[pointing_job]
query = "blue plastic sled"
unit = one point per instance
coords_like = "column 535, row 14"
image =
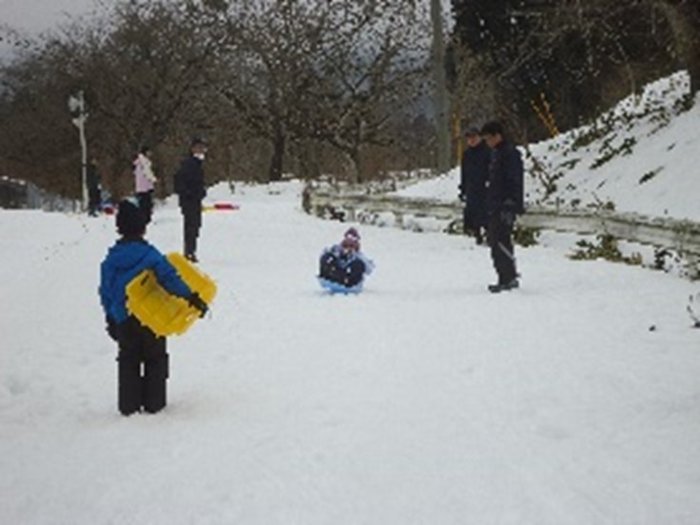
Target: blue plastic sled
column 334, row 287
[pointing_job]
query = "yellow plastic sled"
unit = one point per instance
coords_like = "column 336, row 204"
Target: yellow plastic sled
column 162, row 312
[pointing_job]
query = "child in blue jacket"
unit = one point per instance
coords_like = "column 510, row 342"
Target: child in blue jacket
column 142, row 360
column 344, row 264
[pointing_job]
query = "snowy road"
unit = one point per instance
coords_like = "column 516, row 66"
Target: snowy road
column 425, row 400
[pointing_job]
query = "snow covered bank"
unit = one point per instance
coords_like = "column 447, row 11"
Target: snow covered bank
column 642, row 156
column 423, row 400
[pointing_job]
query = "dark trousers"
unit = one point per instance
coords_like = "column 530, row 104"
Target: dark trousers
column 143, row 368
column 348, row 275
column 471, row 224
column 94, row 198
column 499, row 235
column 146, row 203
column 192, row 214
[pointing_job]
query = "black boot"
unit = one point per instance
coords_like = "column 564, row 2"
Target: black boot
column 504, row 287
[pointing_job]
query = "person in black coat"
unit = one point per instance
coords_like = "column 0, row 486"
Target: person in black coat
column 504, row 201
column 94, row 188
column 472, row 188
column 189, row 186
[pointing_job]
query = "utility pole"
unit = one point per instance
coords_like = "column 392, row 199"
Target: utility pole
column 440, row 99
column 76, row 105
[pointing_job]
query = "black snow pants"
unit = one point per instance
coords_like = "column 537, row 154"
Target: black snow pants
column 192, row 214
column 499, row 235
column 348, row 275
column 474, row 217
column 94, row 198
column 146, row 204
column 143, row 368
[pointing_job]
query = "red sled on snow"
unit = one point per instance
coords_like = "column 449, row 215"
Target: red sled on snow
column 221, row 206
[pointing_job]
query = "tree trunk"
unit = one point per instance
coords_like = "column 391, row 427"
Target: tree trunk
column 440, row 97
column 357, row 165
column 354, row 163
column 277, row 160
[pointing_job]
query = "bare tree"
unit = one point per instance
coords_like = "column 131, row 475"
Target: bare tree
column 300, row 82
column 375, row 67
column 321, row 71
column 578, row 55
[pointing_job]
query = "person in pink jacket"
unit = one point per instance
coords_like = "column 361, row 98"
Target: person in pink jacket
column 145, row 180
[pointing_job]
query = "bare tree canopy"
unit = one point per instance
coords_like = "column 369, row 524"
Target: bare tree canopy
column 575, row 56
column 277, row 85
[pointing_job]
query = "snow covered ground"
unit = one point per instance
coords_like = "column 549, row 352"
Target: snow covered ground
column 642, row 156
column 424, row 400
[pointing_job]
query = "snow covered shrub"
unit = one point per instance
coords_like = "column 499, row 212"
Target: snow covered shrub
column 607, row 248
column 691, row 268
column 609, row 152
column 544, row 172
column 455, row 227
column 661, row 255
column 650, row 175
column 524, row 236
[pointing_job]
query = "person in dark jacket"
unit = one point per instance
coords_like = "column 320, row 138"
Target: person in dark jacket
column 142, row 359
column 94, row 188
column 189, row 186
column 504, row 201
column 472, row 188
column 145, row 181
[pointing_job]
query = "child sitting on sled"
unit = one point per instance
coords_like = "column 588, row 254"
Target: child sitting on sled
column 142, row 359
column 343, row 265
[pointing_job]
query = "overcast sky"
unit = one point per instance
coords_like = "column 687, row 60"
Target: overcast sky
column 39, row 15
column 35, row 16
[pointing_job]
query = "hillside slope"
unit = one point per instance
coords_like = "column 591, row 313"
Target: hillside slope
column 641, row 156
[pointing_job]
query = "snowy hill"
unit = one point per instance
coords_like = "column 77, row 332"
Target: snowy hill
column 424, row 400
column 642, row 156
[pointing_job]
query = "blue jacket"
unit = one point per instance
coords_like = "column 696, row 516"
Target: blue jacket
column 124, row 261
column 346, row 259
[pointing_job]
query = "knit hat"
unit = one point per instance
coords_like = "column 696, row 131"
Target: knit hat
column 131, row 220
column 492, row 128
column 198, row 141
column 353, row 233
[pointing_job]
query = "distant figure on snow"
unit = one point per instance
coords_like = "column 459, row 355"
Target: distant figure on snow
column 145, row 181
column 472, row 187
column 504, row 201
column 142, row 359
column 343, row 267
column 94, row 188
column 189, row 186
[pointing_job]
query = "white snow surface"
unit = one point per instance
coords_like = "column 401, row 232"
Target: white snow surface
column 659, row 178
column 423, row 400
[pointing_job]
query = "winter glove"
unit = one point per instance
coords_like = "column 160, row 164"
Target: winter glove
column 508, row 218
column 508, row 213
column 111, row 329
column 196, row 301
